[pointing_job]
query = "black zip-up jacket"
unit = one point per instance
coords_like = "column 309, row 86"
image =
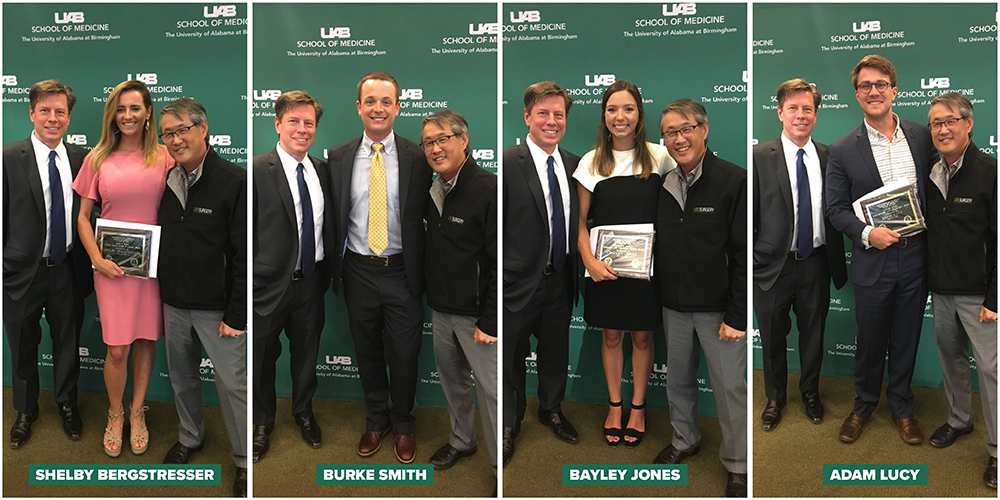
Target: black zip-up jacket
column 203, row 246
column 461, row 256
column 701, row 251
column 962, row 230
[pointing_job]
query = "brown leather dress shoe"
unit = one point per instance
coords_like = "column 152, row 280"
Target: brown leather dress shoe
column 371, row 441
column 406, row 447
column 909, row 430
column 850, row 430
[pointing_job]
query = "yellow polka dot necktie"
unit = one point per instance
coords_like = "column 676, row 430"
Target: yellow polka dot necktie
column 378, row 227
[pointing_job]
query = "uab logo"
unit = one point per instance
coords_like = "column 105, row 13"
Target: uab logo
column 599, row 80
column 220, row 11
column 484, row 29
column 207, row 363
column 680, row 9
column 341, row 32
column 69, row 17
column 84, row 351
column 220, row 140
column 338, row 360
column 266, row 95
column 746, row 76
column 483, row 154
column 867, row 26
column 76, row 139
column 525, row 16
column 9, row 80
column 935, row 83
column 410, row 94
column 147, row 78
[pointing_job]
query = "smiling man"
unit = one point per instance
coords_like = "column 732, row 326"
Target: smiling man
column 796, row 252
column 887, row 269
column 962, row 270
column 701, row 251
column 203, row 281
column 380, row 190
column 44, row 266
column 292, row 232
column 462, row 283
column 539, row 264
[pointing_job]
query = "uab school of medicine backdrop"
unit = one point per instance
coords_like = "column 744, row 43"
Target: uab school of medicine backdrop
column 935, row 50
column 182, row 50
column 670, row 51
column 444, row 56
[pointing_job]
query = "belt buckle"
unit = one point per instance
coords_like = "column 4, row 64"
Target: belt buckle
column 384, row 261
column 902, row 242
column 548, row 271
column 47, row 262
column 297, row 276
column 799, row 256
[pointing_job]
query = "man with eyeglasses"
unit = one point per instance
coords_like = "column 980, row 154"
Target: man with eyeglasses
column 701, row 250
column 292, row 237
column 380, row 190
column 203, row 281
column 462, row 283
column 887, row 268
column 962, row 270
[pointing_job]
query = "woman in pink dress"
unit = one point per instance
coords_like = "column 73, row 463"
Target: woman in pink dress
column 126, row 174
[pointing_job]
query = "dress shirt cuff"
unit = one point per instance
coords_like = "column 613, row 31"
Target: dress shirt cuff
column 864, row 236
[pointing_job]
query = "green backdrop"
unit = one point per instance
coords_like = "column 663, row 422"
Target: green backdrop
column 178, row 50
column 935, row 48
column 670, row 51
column 444, row 56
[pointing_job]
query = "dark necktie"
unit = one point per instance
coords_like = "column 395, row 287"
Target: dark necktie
column 804, row 243
column 558, row 222
column 308, row 243
column 57, row 222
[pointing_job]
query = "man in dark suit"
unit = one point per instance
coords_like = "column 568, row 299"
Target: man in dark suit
column 381, row 185
column 796, row 252
column 292, row 233
column 44, row 265
column 540, row 258
column 962, row 270
column 887, row 268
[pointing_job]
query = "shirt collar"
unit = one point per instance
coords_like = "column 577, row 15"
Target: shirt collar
column 287, row 161
column 537, row 153
column 388, row 144
column 872, row 131
column 42, row 150
column 789, row 146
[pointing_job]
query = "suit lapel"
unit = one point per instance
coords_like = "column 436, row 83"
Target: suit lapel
column 865, row 150
column 405, row 157
column 781, row 172
column 824, row 154
column 346, row 177
column 34, row 179
column 920, row 161
column 281, row 184
column 534, row 183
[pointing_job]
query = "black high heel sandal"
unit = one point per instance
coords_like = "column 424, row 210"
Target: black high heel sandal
column 610, row 432
column 634, row 433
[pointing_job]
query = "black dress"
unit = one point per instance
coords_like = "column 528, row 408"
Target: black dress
column 624, row 303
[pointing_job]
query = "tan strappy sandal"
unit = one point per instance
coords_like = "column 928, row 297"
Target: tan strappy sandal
column 138, row 431
column 111, row 436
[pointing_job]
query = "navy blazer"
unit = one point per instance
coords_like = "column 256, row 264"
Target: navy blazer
column 526, row 225
column 851, row 173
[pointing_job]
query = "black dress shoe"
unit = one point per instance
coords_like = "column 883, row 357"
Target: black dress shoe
column 180, row 454
column 814, row 408
column 240, row 485
column 447, row 456
column 946, row 435
column 736, row 486
column 771, row 416
column 261, row 442
column 21, row 431
column 72, row 424
column 310, row 430
column 508, row 444
column 990, row 476
column 559, row 425
column 671, row 455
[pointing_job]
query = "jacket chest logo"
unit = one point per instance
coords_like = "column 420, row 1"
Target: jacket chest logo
column 202, row 210
column 963, row 201
column 703, row 210
column 455, row 220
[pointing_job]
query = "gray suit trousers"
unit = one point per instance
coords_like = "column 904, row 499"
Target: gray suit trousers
column 186, row 332
column 727, row 367
column 956, row 323
column 457, row 355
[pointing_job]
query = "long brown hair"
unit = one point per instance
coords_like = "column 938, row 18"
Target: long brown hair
column 111, row 135
column 604, row 160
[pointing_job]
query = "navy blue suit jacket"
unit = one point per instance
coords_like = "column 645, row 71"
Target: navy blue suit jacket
column 851, row 173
